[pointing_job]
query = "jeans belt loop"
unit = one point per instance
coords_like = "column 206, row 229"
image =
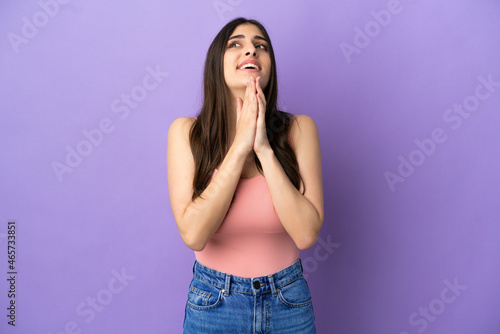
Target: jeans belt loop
column 227, row 285
column 273, row 287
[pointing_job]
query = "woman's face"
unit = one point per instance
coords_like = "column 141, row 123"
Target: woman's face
column 246, row 45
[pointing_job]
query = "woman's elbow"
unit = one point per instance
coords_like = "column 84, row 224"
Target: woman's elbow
column 307, row 241
column 194, row 242
column 189, row 234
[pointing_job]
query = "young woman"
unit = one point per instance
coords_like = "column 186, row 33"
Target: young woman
column 245, row 185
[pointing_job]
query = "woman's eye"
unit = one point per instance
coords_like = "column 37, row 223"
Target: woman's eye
column 258, row 46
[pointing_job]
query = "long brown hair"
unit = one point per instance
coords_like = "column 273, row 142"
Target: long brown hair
column 209, row 135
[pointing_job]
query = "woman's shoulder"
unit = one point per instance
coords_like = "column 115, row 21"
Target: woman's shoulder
column 182, row 121
column 297, row 120
column 302, row 128
column 178, row 132
column 302, row 125
column 181, row 124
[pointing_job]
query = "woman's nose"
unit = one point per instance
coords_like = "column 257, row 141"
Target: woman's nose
column 251, row 50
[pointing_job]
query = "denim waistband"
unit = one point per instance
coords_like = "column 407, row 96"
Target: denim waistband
column 263, row 284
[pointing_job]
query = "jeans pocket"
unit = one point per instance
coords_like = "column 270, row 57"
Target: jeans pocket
column 203, row 296
column 295, row 294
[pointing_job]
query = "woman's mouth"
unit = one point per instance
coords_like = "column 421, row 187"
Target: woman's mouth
column 249, row 66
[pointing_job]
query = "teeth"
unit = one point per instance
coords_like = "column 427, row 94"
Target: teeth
column 249, row 65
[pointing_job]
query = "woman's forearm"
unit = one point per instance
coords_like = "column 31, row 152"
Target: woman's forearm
column 204, row 215
column 297, row 214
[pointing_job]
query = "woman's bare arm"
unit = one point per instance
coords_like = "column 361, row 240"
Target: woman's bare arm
column 301, row 215
column 197, row 220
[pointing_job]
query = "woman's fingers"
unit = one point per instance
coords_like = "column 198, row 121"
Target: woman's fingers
column 253, row 89
column 259, row 88
column 261, row 97
column 261, row 141
column 248, row 92
column 261, row 103
column 250, row 103
column 239, row 103
column 246, row 108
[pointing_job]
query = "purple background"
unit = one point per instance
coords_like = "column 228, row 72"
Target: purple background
column 385, row 256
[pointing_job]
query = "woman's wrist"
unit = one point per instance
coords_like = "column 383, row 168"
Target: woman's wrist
column 236, row 156
column 239, row 151
column 265, row 154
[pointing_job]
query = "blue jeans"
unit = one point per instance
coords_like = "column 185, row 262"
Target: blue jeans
column 222, row 303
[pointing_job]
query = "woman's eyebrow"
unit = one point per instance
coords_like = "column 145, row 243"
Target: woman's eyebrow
column 243, row 36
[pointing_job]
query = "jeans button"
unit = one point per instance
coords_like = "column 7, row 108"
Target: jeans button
column 256, row 284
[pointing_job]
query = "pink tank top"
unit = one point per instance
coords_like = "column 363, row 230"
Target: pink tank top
column 251, row 240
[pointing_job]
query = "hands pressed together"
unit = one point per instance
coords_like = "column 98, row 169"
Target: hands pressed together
column 251, row 119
